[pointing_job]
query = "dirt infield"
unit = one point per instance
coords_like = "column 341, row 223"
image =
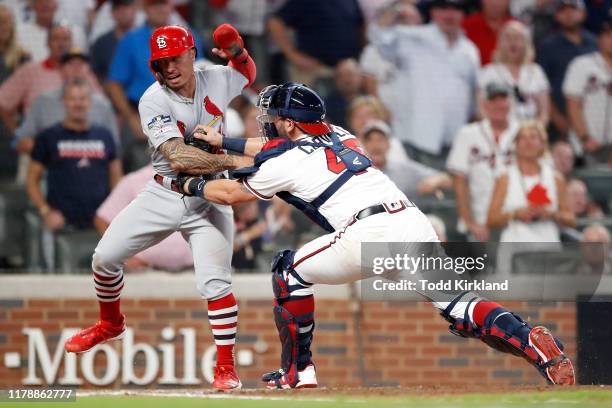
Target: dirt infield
column 419, row 391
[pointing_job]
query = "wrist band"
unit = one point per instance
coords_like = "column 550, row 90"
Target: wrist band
column 234, row 144
column 238, row 54
column 196, row 187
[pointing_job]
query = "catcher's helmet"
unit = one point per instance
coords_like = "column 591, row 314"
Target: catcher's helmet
column 168, row 41
column 292, row 101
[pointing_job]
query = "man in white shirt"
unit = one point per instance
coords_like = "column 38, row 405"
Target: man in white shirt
column 588, row 90
column 33, row 34
column 437, row 79
column 480, row 151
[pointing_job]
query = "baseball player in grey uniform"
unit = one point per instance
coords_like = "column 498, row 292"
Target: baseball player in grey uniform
column 182, row 101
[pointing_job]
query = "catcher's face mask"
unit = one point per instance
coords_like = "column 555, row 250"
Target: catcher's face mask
column 267, row 113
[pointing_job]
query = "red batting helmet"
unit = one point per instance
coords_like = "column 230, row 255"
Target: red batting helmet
column 168, row 41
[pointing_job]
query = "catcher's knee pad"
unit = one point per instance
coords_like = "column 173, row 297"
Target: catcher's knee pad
column 286, row 282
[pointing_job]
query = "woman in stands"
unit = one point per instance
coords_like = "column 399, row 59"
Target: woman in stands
column 513, row 65
column 530, row 201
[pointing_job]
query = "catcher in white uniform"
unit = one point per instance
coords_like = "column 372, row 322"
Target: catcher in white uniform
column 322, row 171
column 171, row 111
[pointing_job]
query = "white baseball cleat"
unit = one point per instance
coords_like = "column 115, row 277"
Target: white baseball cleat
column 307, row 378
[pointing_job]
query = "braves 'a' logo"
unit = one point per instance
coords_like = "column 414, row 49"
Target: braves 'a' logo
column 161, row 42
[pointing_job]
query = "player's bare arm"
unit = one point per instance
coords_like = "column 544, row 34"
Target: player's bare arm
column 191, row 160
column 247, row 147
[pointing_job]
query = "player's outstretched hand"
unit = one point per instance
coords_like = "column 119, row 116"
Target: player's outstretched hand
column 209, row 135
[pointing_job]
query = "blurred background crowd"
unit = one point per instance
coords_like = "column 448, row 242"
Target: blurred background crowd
column 494, row 116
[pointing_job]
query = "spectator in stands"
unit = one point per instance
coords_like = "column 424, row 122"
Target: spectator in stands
column 249, row 17
column 596, row 14
column 595, row 251
column 482, row 27
column 171, row 254
column 530, row 201
column 326, row 32
column 480, row 151
column 436, row 82
column 32, row 79
column 249, row 232
column 103, row 49
column 588, row 89
column 80, row 161
column 379, row 73
column 48, row 109
column 33, row 35
column 364, row 109
column 129, row 75
column 249, row 118
column 372, row 8
column 581, row 204
column 79, row 13
column 556, row 52
column 12, row 54
column 411, row 177
column 563, row 157
column 513, row 65
column 348, row 85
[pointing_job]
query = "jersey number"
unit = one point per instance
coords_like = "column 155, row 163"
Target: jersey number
column 334, row 164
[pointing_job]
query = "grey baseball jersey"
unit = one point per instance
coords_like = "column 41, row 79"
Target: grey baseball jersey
column 157, row 212
column 165, row 115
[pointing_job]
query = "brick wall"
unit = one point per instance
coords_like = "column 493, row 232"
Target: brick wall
column 403, row 343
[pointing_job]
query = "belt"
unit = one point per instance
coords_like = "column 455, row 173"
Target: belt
column 167, row 182
column 390, row 208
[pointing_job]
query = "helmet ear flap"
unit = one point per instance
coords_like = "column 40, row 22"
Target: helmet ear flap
column 156, row 71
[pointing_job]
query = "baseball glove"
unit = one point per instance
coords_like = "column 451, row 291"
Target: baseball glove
column 200, row 144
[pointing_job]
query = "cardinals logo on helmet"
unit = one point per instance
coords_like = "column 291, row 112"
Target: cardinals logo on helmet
column 161, row 42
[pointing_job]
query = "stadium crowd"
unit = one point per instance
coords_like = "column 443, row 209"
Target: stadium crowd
column 494, row 116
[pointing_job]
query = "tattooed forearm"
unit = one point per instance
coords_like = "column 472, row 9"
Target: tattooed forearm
column 191, row 160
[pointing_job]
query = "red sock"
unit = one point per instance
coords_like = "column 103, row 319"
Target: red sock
column 482, row 310
column 223, row 318
column 110, row 311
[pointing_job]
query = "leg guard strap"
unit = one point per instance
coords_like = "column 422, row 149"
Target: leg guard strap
column 461, row 327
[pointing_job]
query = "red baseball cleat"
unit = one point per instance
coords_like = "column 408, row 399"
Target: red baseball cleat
column 90, row 337
column 307, row 378
column 556, row 365
column 226, row 379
